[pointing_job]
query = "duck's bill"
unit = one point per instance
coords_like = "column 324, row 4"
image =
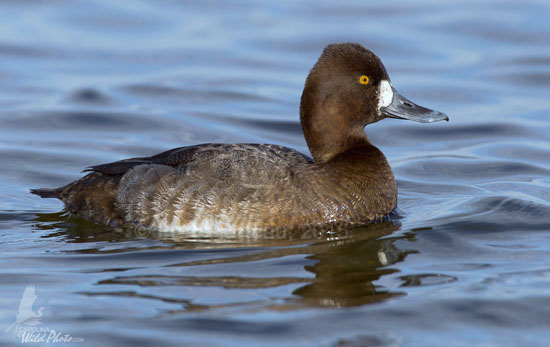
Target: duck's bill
column 403, row 108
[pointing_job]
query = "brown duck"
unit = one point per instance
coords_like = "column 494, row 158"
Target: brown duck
column 218, row 187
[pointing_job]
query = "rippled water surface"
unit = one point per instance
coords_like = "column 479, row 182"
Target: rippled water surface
column 467, row 263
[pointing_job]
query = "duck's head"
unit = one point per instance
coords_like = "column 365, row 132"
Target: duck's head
column 347, row 89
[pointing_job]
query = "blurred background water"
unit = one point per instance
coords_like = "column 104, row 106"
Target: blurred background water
column 468, row 263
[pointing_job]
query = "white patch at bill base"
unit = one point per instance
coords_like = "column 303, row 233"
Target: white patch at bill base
column 385, row 94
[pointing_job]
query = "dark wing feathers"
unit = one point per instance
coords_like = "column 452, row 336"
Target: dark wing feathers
column 180, row 156
column 116, row 168
column 172, row 157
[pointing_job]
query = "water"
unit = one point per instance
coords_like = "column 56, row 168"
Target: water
column 468, row 263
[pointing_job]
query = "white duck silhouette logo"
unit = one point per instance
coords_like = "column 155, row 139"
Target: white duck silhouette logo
column 26, row 315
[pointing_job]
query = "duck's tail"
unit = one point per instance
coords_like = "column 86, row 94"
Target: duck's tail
column 45, row 192
column 92, row 197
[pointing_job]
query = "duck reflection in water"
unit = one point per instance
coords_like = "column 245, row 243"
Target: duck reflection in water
column 345, row 264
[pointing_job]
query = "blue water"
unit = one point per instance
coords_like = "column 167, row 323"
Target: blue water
column 468, row 262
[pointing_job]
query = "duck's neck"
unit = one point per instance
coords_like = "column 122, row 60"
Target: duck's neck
column 328, row 132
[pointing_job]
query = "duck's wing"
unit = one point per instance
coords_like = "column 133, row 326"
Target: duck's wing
column 242, row 168
column 182, row 157
column 122, row 166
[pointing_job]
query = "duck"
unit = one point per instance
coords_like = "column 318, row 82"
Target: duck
column 216, row 187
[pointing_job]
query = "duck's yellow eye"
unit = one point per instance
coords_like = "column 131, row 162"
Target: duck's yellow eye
column 364, row 79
